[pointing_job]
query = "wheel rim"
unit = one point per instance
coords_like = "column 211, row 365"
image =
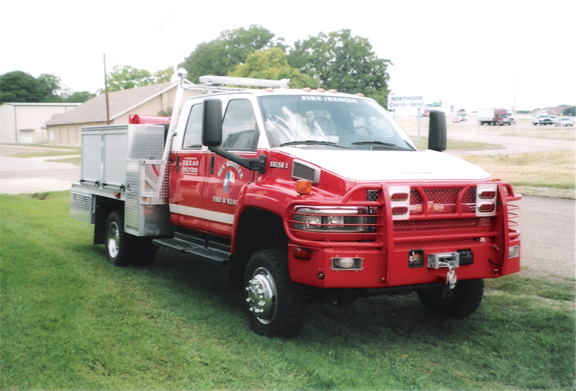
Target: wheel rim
column 113, row 240
column 262, row 295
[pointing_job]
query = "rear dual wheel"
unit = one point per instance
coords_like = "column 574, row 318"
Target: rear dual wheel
column 123, row 249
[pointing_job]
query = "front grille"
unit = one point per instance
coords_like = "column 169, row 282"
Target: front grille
column 371, row 195
column 441, row 201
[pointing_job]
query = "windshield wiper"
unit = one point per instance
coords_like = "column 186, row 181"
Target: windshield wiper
column 381, row 143
column 312, row 142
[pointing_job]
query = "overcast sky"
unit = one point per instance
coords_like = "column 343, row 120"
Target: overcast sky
column 469, row 54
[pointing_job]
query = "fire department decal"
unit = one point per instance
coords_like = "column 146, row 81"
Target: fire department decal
column 230, row 170
column 190, row 166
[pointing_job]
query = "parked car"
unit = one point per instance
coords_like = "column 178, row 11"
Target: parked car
column 563, row 121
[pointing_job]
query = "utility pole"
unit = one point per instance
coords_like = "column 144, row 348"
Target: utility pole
column 106, row 92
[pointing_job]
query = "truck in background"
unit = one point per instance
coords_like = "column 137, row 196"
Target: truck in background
column 542, row 119
column 300, row 195
column 492, row 116
column 458, row 115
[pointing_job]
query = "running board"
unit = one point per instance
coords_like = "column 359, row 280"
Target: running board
column 211, row 252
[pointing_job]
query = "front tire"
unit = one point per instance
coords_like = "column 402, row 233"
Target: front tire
column 274, row 303
column 459, row 302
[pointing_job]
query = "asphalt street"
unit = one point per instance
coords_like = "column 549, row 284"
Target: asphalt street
column 35, row 175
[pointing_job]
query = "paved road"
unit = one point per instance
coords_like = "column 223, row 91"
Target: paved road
column 471, row 131
column 35, row 175
column 547, row 224
column 548, row 240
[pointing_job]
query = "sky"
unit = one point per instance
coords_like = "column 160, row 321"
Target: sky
column 468, row 54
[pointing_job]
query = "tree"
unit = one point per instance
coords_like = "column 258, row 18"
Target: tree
column 79, row 97
column 20, row 87
column 272, row 64
column 124, row 77
column 49, row 88
column 163, row 75
column 221, row 55
column 344, row 63
column 571, row 111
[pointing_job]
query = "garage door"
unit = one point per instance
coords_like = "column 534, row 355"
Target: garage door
column 27, row 136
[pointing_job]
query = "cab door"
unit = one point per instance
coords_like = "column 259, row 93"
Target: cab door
column 226, row 178
column 188, row 173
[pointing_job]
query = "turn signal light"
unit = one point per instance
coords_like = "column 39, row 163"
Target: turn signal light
column 487, row 194
column 399, row 210
column 304, row 186
column 486, row 207
column 302, row 253
column 399, row 197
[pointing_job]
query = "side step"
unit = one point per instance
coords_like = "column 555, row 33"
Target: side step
column 201, row 249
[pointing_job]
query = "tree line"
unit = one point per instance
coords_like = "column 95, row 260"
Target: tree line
column 19, row 87
column 336, row 60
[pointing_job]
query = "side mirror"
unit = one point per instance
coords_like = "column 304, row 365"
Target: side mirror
column 212, row 137
column 437, row 131
column 212, row 123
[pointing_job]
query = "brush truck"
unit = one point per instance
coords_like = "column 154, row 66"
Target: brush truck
column 301, row 196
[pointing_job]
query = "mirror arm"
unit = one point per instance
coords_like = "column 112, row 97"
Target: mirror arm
column 258, row 164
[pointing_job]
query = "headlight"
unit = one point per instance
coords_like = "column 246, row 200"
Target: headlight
column 334, row 219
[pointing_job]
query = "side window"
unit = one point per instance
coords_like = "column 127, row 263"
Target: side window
column 239, row 125
column 193, row 133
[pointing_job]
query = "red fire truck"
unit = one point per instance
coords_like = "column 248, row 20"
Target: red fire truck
column 307, row 195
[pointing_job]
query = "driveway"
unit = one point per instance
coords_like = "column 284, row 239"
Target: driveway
column 34, row 175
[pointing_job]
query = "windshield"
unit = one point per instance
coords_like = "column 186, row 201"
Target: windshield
column 313, row 121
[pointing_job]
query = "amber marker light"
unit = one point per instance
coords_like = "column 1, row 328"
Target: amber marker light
column 304, row 186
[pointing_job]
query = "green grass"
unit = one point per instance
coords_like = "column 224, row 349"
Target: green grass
column 455, row 144
column 72, row 321
column 71, row 160
column 552, row 169
column 48, row 153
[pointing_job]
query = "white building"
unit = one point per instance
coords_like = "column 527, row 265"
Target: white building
column 25, row 123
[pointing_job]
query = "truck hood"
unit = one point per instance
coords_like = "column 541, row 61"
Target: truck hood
column 390, row 165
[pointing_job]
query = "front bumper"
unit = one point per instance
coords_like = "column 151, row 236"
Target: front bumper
column 394, row 253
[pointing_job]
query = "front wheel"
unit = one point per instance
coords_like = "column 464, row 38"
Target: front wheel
column 274, row 303
column 455, row 303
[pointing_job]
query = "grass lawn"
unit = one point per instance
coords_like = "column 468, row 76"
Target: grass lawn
column 72, row 321
column 554, row 169
column 33, row 150
column 455, row 144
